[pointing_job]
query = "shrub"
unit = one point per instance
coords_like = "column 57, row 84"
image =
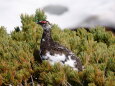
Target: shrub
column 95, row 48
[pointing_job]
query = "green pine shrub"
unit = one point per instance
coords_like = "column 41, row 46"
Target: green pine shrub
column 95, row 48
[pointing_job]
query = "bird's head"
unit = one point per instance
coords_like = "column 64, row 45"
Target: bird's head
column 45, row 24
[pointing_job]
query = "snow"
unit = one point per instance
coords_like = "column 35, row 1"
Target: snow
column 80, row 12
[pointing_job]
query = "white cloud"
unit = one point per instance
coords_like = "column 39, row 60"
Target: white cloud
column 79, row 12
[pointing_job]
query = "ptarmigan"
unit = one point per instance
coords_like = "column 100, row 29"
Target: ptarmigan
column 54, row 52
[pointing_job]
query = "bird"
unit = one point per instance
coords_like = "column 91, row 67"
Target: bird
column 54, row 52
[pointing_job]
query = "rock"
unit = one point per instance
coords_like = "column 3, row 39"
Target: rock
column 55, row 9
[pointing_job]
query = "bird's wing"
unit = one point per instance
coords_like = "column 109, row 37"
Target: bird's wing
column 59, row 48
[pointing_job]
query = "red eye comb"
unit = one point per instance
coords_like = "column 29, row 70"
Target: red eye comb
column 43, row 22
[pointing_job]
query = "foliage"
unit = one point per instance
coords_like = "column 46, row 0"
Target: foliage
column 40, row 15
column 95, row 48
